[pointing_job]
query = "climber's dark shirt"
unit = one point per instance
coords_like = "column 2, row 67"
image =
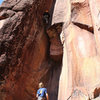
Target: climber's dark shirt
column 46, row 17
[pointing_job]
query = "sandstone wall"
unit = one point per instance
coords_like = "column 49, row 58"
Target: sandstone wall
column 79, row 79
column 24, row 51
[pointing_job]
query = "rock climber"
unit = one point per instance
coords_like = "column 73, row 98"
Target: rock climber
column 46, row 17
column 42, row 92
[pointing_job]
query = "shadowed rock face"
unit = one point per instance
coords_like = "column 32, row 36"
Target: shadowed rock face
column 56, row 48
column 24, row 51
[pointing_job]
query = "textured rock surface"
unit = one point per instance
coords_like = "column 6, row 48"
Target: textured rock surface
column 79, row 79
column 24, row 51
column 56, row 48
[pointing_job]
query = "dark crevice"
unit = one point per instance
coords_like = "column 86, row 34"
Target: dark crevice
column 51, row 11
column 53, row 83
column 85, row 27
column 4, row 16
column 96, row 92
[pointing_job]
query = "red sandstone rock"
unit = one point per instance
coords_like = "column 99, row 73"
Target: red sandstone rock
column 24, row 50
column 56, row 48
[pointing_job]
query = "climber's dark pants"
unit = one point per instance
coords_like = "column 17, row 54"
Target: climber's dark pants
column 46, row 19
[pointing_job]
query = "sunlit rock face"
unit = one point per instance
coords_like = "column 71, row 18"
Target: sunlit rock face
column 24, row 51
column 79, row 79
